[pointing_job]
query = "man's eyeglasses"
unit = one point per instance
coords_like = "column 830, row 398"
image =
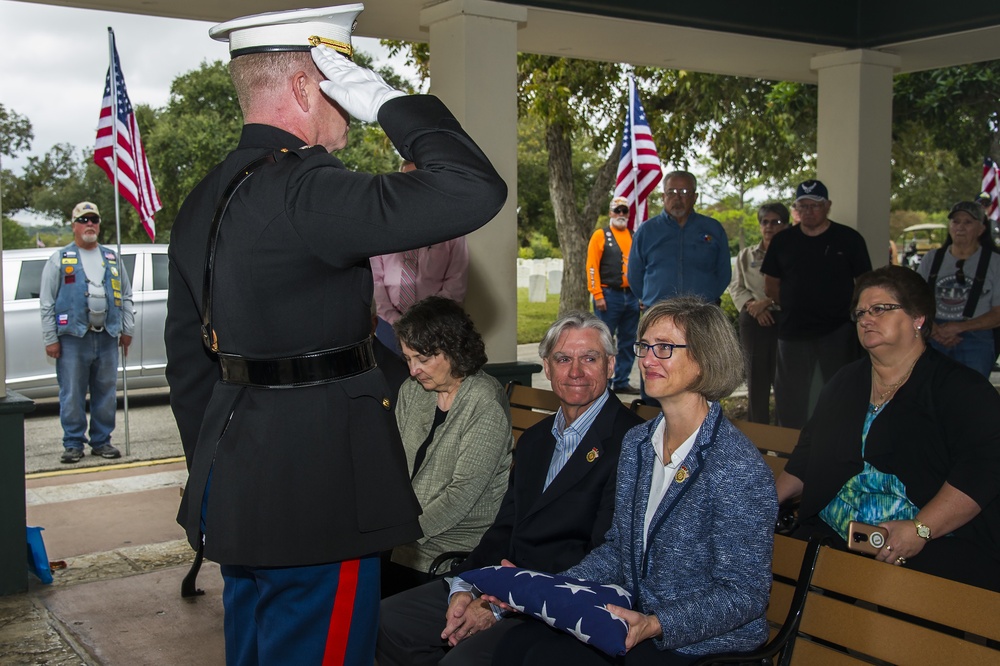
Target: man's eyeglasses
column 876, row 310
column 770, row 222
column 661, row 350
column 621, row 210
column 807, row 207
column 88, row 220
column 960, row 272
column 677, row 191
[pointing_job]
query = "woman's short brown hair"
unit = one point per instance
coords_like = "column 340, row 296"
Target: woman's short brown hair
column 440, row 325
column 907, row 287
column 711, row 343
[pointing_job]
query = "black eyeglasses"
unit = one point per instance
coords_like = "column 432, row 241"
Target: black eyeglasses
column 679, row 191
column 775, row 223
column 661, row 350
column 807, row 208
column 876, row 310
column 88, row 220
column 623, row 210
column 960, row 272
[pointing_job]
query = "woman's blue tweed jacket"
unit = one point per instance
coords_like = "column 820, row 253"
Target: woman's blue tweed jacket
column 707, row 571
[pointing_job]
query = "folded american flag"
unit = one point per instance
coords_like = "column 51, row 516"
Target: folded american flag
column 572, row 605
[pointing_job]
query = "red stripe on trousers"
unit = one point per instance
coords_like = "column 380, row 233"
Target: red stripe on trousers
column 343, row 611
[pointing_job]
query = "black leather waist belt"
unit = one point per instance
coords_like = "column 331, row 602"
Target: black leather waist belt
column 604, row 286
column 311, row 369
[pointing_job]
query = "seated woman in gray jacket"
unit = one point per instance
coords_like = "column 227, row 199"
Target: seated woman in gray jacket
column 695, row 506
column 454, row 421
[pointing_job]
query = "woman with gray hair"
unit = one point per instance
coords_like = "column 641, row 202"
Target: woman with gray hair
column 758, row 313
column 695, row 505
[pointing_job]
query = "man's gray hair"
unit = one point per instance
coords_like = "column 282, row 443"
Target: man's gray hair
column 573, row 321
column 681, row 174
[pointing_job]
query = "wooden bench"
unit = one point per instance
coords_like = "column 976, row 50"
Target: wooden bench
column 774, row 443
column 528, row 406
column 855, row 610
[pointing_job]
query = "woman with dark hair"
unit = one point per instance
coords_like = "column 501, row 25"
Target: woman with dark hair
column 758, row 328
column 693, row 525
column 454, row 421
column 906, row 439
column 968, row 305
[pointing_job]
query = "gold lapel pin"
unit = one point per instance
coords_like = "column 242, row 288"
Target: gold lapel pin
column 681, row 475
column 593, row 455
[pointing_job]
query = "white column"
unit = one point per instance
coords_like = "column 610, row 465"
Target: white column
column 473, row 46
column 854, row 141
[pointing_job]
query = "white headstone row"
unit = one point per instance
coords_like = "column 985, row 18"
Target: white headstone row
column 550, row 272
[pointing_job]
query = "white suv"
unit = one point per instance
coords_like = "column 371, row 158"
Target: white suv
column 33, row 374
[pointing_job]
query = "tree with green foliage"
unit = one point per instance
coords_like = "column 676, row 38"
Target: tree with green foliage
column 15, row 236
column 15, row 136
column 16, row 133
column 199, row 125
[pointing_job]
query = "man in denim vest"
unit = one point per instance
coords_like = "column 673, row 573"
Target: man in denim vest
column 86, row 307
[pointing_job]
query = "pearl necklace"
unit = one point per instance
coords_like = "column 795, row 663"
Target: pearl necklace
column 876, row 406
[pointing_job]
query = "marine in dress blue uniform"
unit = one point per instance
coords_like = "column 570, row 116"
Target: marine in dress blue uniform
column 297, row 474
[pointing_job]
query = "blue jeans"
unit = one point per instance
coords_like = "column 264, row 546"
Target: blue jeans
column 622, row 317
column 975, row 350
column 87, row 362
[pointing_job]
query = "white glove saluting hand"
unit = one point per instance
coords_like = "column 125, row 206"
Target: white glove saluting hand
column 358, row 90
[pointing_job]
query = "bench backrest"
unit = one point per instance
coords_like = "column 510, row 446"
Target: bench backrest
column 774, row 442
column 893, row 616
column 528, row 406
column 647, row 412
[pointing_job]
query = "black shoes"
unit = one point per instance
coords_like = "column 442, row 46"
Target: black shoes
column 71, row 455
column 105, row 451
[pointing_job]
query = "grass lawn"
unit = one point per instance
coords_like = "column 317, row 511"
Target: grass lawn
column 533, row 319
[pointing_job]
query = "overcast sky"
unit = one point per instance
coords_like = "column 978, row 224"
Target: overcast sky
column 54, row 60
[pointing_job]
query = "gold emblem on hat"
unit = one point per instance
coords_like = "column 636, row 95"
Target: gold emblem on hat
column 340, row 47
column 593, row 455
column 681, row 475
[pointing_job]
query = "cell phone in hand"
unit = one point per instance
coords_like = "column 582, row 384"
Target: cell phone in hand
column 865, row 538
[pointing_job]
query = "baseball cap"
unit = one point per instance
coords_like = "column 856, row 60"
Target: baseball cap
column 84, row 208
column 972, row 208
column 813, row 190
column 618, row 201
column 296, row 30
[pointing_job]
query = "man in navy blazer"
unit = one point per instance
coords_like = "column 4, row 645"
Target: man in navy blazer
column 557, row 508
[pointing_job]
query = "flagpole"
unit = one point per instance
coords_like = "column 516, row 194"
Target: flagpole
column 635, row 155
column 118, row 225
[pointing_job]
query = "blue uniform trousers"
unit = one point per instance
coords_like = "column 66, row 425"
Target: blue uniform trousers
column 323, row 614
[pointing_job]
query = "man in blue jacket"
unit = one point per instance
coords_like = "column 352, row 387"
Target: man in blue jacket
column 85, row 301
column 679, row 251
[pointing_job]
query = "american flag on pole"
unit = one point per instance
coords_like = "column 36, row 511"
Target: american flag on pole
column 639, row 165
column 135, row 182
column 991, row 186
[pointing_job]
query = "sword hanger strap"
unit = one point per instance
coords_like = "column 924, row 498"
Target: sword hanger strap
column 207, row 332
